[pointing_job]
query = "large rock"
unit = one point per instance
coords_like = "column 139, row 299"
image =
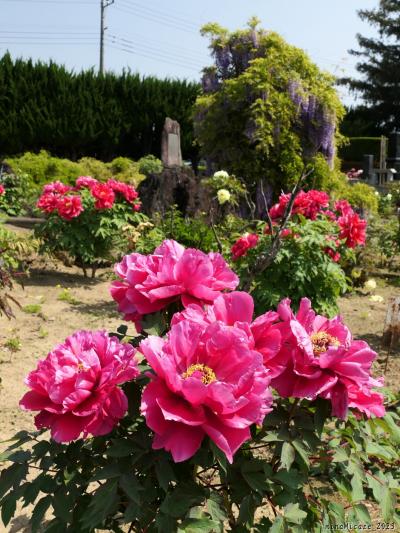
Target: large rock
column 174, row 186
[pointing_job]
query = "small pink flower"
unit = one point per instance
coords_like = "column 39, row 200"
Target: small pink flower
column 323, row 359
column 76, row 387
column 243, row 244
column 172, row 273
column 104, row 195
column 69, row 207
column 86, row 182
column 56, row 187
column 207, row 381
column 2, row 190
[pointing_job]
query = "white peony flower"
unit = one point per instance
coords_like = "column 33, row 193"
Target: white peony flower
column 221, row 174
column 370, row 285
column 389, row 196
column 376, row 298
column 223, row 196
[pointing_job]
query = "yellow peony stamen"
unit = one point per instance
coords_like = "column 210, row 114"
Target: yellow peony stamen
column 321, row 341
column 208, row 374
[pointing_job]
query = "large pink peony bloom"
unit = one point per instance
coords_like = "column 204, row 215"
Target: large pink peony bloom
column 76, row 387
column 171, row 273
column 324, row 360
column 207, row 381
column 48, row 202
column 236, row 309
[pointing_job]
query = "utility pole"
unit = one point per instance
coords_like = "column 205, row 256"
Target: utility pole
column 103, row 5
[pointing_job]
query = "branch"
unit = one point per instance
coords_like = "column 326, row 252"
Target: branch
column 265, row 259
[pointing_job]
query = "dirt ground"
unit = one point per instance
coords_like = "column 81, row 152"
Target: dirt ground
column 56, row 301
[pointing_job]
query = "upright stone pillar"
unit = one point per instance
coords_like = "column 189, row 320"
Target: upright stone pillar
column 393, row 159
column 171, row 154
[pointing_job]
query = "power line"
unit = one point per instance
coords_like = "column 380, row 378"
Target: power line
column 70, row 2
column 154, row 50
column 154, row 19
column 18, row 43
column 169, row 13
column 150, row 56
column 132, row 4
column 49, row 32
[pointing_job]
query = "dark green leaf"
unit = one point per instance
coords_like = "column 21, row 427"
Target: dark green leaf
column 8, row 505
column 39, row 511
column 131, row 486
column 198, row 525
column 181, row 499
column 102, row 503
column 121, row 448
column 12, row 477
column 164, row 473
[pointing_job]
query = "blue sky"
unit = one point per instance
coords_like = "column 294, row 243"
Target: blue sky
column 161, row 37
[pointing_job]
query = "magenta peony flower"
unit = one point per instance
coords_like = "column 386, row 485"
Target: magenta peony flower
column 57, row 187
column 48, row 202
column 86, row 182
column 2, row 190
column 207, row 381
column 242, row 245
column 76, row 387
column 127, row 191
column 149, row 283
column 236, row 309
column 103, row 194
column 69, row 207
column 323, row 360
column 309, row 204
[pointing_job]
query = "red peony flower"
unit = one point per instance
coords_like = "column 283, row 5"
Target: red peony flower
column 69, row 207
column 242, row 245
column 352, row 229
column 104, row 195
column 308, row 204
column 48, row 202
column 127, row 191
column 57, row 187
column 85, row 182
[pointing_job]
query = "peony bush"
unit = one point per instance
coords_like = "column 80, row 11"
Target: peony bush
column 204, row 415
column 90, row 221
column 318, row 241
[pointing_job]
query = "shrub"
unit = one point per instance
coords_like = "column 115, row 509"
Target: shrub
column 265, row 108
column 90, row 221
column 150, row 164
column 361, row 196
column 181, row 432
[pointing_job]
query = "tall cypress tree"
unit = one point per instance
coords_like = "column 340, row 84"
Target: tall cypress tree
column 379, row 66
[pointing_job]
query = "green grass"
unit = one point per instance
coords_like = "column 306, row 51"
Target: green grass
column 66, row 296
column 32, row 309
column 13, row 344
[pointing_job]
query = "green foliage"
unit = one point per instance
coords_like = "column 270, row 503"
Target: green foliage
column 92, row 239
column 38, row 169
column 150, row 164
column 249, row 124
column 361, row 196
column 354, row 149
column 19, row 194
column 189, row 231
column 296, row 462
column 16, row 249
column 222, row 180
column 86, row 114
column 302, row 268
column 383, row 241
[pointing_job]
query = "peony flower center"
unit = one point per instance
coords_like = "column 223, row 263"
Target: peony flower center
column 80, row 367
column 207, row 374
column 321, row 341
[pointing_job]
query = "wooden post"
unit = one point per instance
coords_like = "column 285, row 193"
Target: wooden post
column 391, row 332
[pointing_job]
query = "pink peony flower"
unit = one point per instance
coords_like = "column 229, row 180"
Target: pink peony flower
column 85, row 182
column 56, row 187
column 207, row 381
column 343, row 207
column 104, row 195
column 242, row 245
column 149, row 283
column 69, row 207
column 323, row 359
column 76, row 387
column 48, row 202
column 2, row 190
column 236, row 309
column 352, row 229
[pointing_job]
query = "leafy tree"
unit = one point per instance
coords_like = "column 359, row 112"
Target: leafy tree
column 379, row 84
column 265, row 108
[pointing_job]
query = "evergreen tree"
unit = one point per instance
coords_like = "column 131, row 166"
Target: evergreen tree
column 379, row 66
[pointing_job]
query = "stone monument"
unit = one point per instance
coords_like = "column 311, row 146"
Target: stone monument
column 171, row 154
